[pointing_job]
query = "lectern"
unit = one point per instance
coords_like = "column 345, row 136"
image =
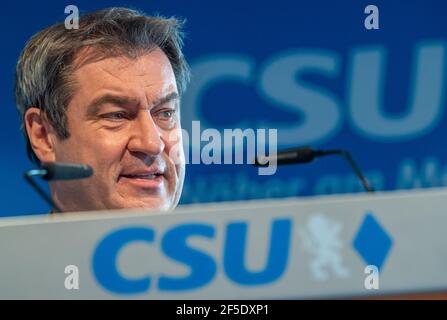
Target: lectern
column 389, row 244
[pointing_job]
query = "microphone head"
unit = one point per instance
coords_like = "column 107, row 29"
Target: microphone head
column 289, row 156
column 296, row 156
column 66, row 171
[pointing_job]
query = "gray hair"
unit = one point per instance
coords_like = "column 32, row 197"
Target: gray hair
column 45, row 67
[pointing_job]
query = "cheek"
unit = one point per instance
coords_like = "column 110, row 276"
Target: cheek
column 97, row 149
column 174, row 147
column 108, row 150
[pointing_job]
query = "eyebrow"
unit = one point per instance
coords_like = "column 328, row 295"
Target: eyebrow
column 167, row 98
column 123, row 101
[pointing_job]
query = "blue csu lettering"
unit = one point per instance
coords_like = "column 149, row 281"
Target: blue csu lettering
column 203, row 267
column 281, row 82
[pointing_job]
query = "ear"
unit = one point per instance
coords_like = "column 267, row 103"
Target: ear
column 40, row 134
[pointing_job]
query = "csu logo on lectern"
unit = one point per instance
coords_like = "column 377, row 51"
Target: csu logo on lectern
column 175, row 245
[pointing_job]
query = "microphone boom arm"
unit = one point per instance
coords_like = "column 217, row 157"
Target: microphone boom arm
column 348, row 157
column 40, row 172
column 57, row 171
column 307, row 154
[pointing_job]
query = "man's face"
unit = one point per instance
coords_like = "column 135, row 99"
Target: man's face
column 124, row 122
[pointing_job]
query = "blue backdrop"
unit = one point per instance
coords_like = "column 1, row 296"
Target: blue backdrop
column 308, row 68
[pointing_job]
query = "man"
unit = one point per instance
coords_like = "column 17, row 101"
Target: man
column 108, row 95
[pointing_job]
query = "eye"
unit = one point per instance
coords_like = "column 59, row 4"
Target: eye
column 116, row 116
column 165, row 118
column 166, row 114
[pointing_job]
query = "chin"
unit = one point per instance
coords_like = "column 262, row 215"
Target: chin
column 153, row 204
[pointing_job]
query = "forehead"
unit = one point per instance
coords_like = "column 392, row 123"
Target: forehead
column 149, row 74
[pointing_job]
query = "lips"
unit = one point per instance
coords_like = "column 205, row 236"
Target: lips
column 143, row 173
column 146, row 176
column 143, row 178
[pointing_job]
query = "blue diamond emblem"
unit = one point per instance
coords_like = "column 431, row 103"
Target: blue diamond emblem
column 372, row 242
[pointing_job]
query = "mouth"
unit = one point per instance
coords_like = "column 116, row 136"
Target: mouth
column 144, row 176
column 145, row 180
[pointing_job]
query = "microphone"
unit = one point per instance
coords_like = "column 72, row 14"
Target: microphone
column 65, row 171
column 51, row 171
column 306, row 155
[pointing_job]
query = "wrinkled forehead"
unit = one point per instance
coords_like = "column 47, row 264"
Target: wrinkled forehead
column 145, row 79
column 95, row 53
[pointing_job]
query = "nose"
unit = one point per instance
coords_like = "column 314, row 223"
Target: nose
column 145, row 136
